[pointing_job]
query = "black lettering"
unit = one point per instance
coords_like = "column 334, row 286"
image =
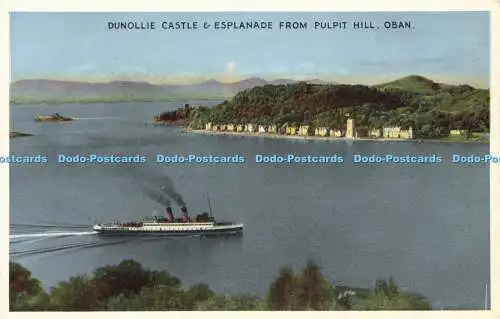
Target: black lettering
column 397, row 25
column 293, row 25
column 330, row 25
column 248, row 25
column 132, row 25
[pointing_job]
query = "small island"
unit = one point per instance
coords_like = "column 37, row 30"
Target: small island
column 56, row 117
column 19, row 134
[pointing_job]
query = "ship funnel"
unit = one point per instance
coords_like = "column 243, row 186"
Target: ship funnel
column 185, row 215
column 170, row 214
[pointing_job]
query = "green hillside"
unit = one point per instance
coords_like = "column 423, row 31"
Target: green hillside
column 412, row 83
column 431, row 108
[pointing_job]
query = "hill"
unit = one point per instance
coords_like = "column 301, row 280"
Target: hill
column 430, row 107
column 412, row 83
column 52, row 91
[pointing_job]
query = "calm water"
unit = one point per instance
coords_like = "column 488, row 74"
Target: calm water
column 427, row 226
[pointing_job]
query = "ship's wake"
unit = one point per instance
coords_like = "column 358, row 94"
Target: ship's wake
column 36, row 239
column 33, row 233
column 58, row 248
column 21, row 227
column 52, row 234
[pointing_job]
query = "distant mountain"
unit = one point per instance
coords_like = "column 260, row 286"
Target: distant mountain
column 53, row 91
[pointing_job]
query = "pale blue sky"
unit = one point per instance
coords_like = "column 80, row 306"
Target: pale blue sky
column 79, row 46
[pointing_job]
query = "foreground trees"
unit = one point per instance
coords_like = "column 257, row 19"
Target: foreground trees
column 128, row 286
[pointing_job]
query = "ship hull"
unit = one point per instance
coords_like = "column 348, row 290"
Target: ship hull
column 237, row 230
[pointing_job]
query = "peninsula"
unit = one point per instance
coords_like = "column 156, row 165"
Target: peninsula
column 411, row 108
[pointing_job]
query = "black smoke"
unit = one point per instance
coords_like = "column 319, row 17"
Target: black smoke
column 158, row 197
column 168, row 187
column 162, row 189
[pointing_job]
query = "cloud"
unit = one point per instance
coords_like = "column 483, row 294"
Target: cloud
column 230, row 66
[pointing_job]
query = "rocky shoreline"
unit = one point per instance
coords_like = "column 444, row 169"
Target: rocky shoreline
column 19, row 134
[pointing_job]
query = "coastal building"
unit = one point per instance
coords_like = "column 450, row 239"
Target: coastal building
column 304, row 130
column 215, row 128
column 262, row 129
column 272, row 129
column 231, row 128
column 458, row 132
column 397, row 132
column 322, row 131
column 240, row 128
column 223, row 127
column 208, row 126
column 251, row 128
column 351, row 129
column 375, row 133
column 291, row 130
column 335, row 133
column 407, row 134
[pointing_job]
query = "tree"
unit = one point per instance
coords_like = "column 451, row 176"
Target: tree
column 128, row 277
column 77, row 294
column 313, row 290
column 162, row 278
column 386, row 296
column 21, row 281
column 158, row 291
column 216, row 302
column 197, row 294
column 386, row 288
column 25, row 291
column 282, row 292
column 244, row 302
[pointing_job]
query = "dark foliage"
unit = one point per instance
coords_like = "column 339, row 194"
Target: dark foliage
column 431, row 108
column 129, row 287
column 181, row 114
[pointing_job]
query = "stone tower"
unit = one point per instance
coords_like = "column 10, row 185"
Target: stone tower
column 351, row 129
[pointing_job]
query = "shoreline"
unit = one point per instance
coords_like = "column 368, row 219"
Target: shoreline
column 330, row 138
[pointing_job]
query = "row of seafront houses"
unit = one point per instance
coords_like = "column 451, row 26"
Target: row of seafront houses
column 307, row 130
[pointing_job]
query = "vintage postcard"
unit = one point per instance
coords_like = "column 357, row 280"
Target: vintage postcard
column 195, row 161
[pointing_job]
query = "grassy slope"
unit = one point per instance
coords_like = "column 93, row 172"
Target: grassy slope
column 412, row 83
column 443, row 96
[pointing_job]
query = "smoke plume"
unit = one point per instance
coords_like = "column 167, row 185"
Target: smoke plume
column 163, row 189
column 168, row 187
column 158, row 197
